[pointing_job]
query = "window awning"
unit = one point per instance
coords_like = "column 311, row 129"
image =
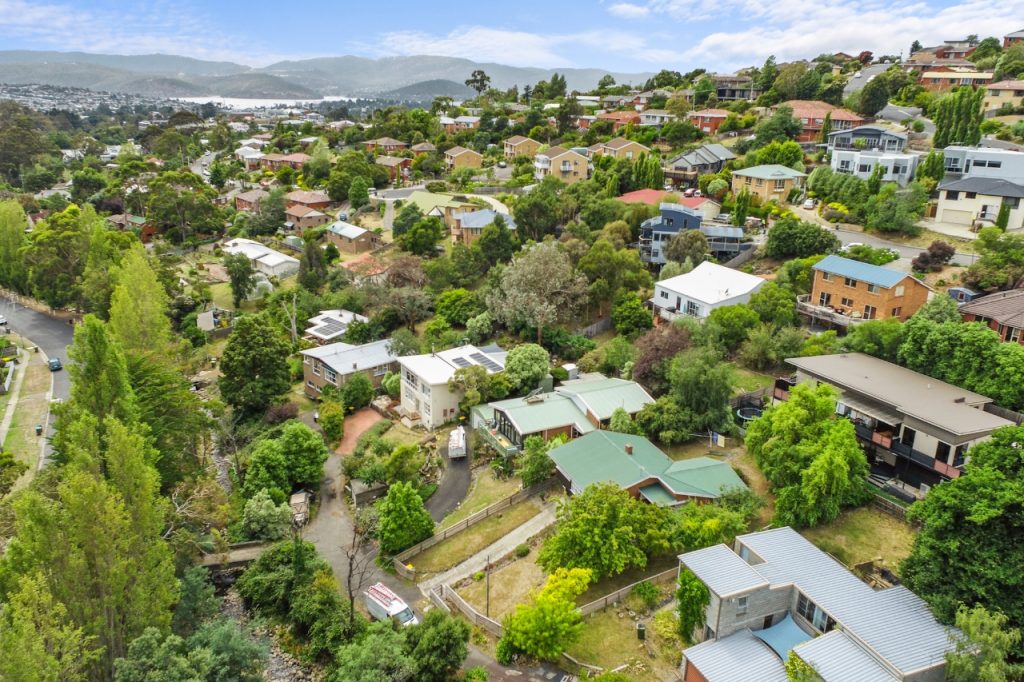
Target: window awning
column 872, row 409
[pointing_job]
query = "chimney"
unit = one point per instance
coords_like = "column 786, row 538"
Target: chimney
column 353, row 366
column 629, row 448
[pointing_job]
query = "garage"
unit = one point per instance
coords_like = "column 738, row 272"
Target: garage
column 956, row 217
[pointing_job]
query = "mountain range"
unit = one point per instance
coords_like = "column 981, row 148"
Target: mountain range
column 160, row 75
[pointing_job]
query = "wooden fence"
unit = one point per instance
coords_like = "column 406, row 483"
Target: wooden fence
column 401, row 560
column 619, row 595
column 596, row 328
column 489, row 624
column 889, row 507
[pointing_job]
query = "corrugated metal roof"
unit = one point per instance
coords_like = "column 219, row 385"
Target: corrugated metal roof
column 862, row 272
column 600, row 456
column 723, row 571
column 718, row 231
column 701, row 476
column 604, row 396
column 740, row 657
column 345, row 358
column 347, row 230
column 548, row 411
column 771, row 171
column 837, row 658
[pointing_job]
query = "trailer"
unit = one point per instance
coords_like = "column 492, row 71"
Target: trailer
column 457, row 443
column 383, row 604
column 299, row 502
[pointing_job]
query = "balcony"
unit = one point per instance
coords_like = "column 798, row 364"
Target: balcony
column 826, row 313
column 893, row 445
column 496, row 440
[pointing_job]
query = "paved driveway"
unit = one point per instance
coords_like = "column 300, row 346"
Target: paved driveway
column 452, row 489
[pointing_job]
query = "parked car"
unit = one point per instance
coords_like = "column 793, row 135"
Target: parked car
column 502, row 164
column 383, row 604
column 3, row 321
column 55, row 365
column 688, row 192
column 809, row 205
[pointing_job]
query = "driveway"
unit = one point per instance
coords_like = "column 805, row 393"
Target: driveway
column 452, row 488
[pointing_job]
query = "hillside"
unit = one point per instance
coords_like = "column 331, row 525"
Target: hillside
column 429, row 89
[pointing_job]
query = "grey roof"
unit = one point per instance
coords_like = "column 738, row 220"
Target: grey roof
column 948, row 407
column 870, row 616
column 704, row 155
column 996, row 187
column 344, row 358
column 770, row 171
column 740, row 657
column 721, row 231
column 723, row 571
column 862, row 272
column 481, row 219
column 1016, row 34
column 837, row 658
column 347, row 230
column 1005, row 307
column 869, row 128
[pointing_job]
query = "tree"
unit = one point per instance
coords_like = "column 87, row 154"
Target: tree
column 939, row 309
column 984, row 651
column 686, row 245
column 774, row 305
column 357, row 391
column 182, row 201
column 479, row 81
column 606, row 81
column 692, row 596
column 550, row 623
column 268, row 216
column 254, row 368
column 231, row 654
column 13, row 223
column 458, row 306
column 799, row 670
column 793, row 238
column 379, row 655
column 497, row 242
column 242, row 277
column 654, row 351
column 702, row 385
column 932, row 167
column 973, row 522
column 403, row 520
column 536, row 212
column 263, row 519
column 957, row 117
column 873, row 96
column 526, row 365
column 880, row 338
column 319, row 613
column 304, row 451
column 332, row 419
column 622, row 422
column 779, row 128
column 630, row 317
column 732, row 324
column 409, row 215
column 197, row 602
column 605, row 530
column 438, row 645
column 358, row 192
column 55, row 257
column 534, row 464
column 138, row 307
column 539, row 288
column 218, row 652
column 422, row 237
column 312, row 268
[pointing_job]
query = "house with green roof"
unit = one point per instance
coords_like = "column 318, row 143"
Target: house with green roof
column 573, row 409
column 447, row 207
column 636, row 465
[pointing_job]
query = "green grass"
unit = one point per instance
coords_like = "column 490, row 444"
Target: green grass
column 403, row 435
column 610, row 641
column 461, row 546
column 485, row 491
column 865, row 534
column 611, row 584
column 748, row 380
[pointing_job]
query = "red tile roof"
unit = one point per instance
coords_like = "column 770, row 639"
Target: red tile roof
column 651, row 197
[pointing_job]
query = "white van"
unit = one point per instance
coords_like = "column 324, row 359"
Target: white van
column 383, row 604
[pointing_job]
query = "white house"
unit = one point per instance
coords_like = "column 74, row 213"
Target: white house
column 426, row 397
column 698, row 292
column 264, row 259
column 331, row 325
column 899, row 166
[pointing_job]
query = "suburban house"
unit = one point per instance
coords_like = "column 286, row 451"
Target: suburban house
column 947, row 78
column 385, row 145
column 469, row 226
column 1003, row 94
column 1002, row 312
column 460, row 157
column 317, row 200
column 351, row 238
column 395, row 165
column 634, row 464
column 517, row 145
column 447, row 207
column 330, row 325
column 774, row 594
column 620, row 119
column 619, row 148
column 642, row 99
column 247, row 201
column 730, row 87
column 426, row 398
column 278, row 161
column 768, row 182
column 264, row 259
column 983, row 161
column 568, row 166
column 1012, row 38
column 976, row 201
column 656, row 117
column 698, row 292
column 122, row 221
column 708, row 120
column 912, row 426
column 459, row 123
column 616, row 101
column 686, row 168
column 299, row 217
column 899, row 167
column 335, row 363
column 706, row 206
column 423, row 148
column 573, row 409
column 249, row 156
column 867, row 138
column 951, row 49
column 845, row 292
column 723, row 240
column 812, row 113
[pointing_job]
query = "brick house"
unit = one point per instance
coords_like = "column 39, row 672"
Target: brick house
column 517, row 145
column 247, row 201
column 565, row 164
column 351, row 238
column 620, row 119
column 1002, row 312
column 771, row 181
column 845, row 292
column 460, row 157
column 708, row 120
column 619, row 148
column 812, row 113
column 275, row 162
column 303, row 217
column 317, row 200
column 423, row 148
column 395, row 165
column 336, row 363
column 384, row 145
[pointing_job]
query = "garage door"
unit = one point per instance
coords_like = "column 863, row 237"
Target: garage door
column 957, row 217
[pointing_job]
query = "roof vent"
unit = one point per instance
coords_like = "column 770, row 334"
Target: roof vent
column 354, row 366
column 629, row 448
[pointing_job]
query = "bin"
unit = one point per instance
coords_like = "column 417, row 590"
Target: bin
column 39, row 429
column 641, row 631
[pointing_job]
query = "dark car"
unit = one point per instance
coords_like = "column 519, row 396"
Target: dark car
column 55, row 365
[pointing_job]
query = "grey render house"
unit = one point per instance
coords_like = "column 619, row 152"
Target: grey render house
column 685, row 168
column 723, row 240
column 867, row 138
column 858, row 151
column 774, row 593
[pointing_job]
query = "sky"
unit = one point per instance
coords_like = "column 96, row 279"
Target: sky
column 623, row 36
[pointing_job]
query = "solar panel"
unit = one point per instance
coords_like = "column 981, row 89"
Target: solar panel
column 332, row 328
column 461, row 362
column 482, row 359
column 479, row 358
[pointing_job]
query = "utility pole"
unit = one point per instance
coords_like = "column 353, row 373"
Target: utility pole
column 487, row 570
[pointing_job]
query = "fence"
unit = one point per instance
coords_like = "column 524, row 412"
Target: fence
column 889, row 507
column 6, row 388
column 745, row 399
column 619, row 595
column 596, row 328
column 402, row 559
column 489, row 624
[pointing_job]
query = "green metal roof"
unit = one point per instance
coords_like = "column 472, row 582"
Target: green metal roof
column 545, row 411
column 604, row 396
column 655, row 494
column 702, row 476
column 771, row 171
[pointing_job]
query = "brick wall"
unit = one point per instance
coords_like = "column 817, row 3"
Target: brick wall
column 884, row 300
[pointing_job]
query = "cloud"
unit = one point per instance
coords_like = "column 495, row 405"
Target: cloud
column 628, row 10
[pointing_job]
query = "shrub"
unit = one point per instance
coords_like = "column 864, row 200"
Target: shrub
column 332, row 420
column 522, row 550
column 479, row 575
column 278, row 414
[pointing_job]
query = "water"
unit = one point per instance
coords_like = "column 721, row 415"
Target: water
column 257, row 103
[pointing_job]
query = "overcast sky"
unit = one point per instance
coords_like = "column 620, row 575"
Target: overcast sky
column 640, row 35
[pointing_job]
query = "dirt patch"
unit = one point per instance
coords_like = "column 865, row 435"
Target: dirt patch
column 355, row 425
column 510, row 585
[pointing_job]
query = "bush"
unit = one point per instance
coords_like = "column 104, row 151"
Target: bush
column 437, row 186
column 479, row 575
column 264, row 520
column 648, row 594
column 278, row 414
column 332, row 420
column 522, row 550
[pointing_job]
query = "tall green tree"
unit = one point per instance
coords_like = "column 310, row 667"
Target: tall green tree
column 403, row 521
column 55, row 257
column 138, row 308
column 983, row 653
column 545, row 627
column 13, row 223
column 438, row 645
column 701, row 386
column 254, row 368
column 312, row 268
column 242, row 277
column 358, row 192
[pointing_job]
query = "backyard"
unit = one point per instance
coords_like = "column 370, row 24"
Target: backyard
column 485, row 490
column 865, row 534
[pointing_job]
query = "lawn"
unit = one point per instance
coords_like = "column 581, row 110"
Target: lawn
column 743, row 462
column 461, row 546
column 606, row 586
column 485, row 490
column 32, row 409
column 403, row 435
column 865, row 534
column 510, row 585
column 693, row 448
column 749, row 380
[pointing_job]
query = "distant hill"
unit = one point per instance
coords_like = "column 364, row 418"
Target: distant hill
column 424, row 90
column 176, row 76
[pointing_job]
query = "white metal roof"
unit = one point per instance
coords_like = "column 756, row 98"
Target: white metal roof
column 345, row 358
column 723, row 571
column 740, row 657
column 438, row 368
column 837, row 658
column 712, row 283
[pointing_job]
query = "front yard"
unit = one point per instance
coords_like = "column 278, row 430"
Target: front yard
column 485, row 490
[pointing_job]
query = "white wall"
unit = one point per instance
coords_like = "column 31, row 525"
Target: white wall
column 952, row 211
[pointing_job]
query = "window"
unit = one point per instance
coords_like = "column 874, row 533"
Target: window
column 316, row 367
column 664, row 294
column 332, row 376
column 850, row 282
column 844, row 165
column 897, row 311
column 995, row 164
column 826, row 276
column 848, row 302
column 970, row 195
column 759, row 182
column 942, row 451
column 869, row 312
column 380, row 370
column 824, row 298
column 748, row 179
column 898, row 291
column 814, row 615
column 872, row 288
column 908, row 436
column 780, row 185
column 1013, row 334
column 951, row 195
column 692, row 309
column 741, row 606
column 864, row 168
column 1012, row 202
